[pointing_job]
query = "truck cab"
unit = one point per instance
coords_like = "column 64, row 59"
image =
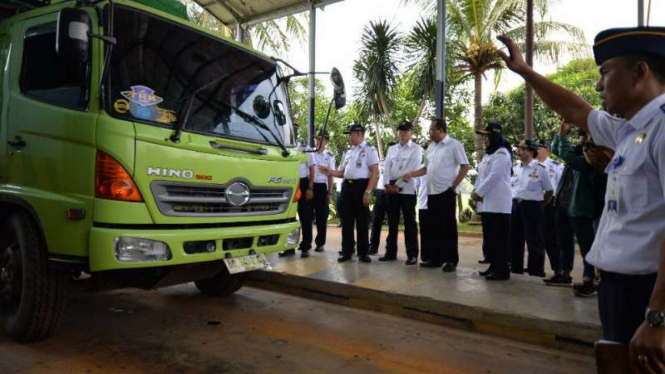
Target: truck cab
column 137, row 148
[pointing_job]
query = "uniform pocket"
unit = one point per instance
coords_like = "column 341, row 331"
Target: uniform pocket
column 534, row 185
column 633, row 180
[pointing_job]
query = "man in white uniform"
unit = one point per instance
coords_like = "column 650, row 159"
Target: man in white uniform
column 554, row 169
column 629, row 247
column 323, row 185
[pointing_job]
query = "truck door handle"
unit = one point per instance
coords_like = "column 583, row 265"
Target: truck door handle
column 19, row 143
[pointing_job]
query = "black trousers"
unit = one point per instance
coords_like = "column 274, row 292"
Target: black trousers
column 442, row 209
column 496, row 236
column 354, row 213
column 551, row 242
column 526, row 222
column 406, row 204
column 378, row 216
column 321, row 210
column 426, row 233
column 305, row 217
column 622, row 301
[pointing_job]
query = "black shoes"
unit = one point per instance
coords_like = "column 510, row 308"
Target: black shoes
column 584, row 289
column 343, row 258
column 558, row 280
column 410, row 261
column 430, row 264
column 304, row 254
column 498, row 276
column 486, row 272
column 319, row 248
column 373, row 252
column 386, row 258
column 449, row 267
column 365, row 259
column 484, row 261
column 290, row 252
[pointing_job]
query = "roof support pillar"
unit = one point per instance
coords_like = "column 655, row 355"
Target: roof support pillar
column 240, row 33
column 440, row 86
column 312, row 68
column 640, row 12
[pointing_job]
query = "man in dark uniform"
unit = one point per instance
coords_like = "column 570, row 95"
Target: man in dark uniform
column 360, row 170
column 554, row 169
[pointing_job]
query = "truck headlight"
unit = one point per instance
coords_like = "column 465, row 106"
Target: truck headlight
column 293, row 237
column 141, row 250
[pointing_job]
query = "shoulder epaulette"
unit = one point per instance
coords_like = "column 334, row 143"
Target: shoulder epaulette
column 542, row 166
column 662, row 107
column 502, row 151
column 555, row 162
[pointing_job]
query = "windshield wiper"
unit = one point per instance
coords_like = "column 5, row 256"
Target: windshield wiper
column 258, row 123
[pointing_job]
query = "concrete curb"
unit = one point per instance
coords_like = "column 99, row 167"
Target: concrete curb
column 569, row 336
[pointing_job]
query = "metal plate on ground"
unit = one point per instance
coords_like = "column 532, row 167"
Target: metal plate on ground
column 247, row 263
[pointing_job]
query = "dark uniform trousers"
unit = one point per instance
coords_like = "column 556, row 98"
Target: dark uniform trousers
column 305, row 217
column 407, row 205
column 442, row 209
column 526, row 222
column 622, row 302
column 378, row 216
column 496, row 237
column 321, row 210
column 551, row 243
column 567, row 229
column 426, row 232
column 354, row 213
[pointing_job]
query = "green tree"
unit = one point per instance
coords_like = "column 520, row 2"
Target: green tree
column 579, row 76
column 376, row 69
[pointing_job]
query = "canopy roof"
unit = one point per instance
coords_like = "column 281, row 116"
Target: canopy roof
column 249, row 12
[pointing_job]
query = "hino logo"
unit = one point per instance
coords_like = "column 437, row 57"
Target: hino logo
column 171, row 173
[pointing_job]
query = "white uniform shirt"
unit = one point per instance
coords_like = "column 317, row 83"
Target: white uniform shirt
column 632, row 226
column 402, row 159
column 554, row 170
column 304, row 166
column 530, row 181
column 323, row 159
column 442, row 161
column 357, row 161
column 493, row 183
column 421, row 182
column 338, row 183
column 380, row 185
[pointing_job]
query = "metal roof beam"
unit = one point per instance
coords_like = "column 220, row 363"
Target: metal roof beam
column 287, row 11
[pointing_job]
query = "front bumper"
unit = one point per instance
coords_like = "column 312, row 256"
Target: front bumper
column 102, row 242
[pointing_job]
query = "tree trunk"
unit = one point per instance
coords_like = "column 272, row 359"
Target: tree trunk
column 383, row 105
column 379, row 141
column 478, row 115
column 421, row 107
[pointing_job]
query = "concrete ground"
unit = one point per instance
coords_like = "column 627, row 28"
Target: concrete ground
column 178, row 330
column 523, row 308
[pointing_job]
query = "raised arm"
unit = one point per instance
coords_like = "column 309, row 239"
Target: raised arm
column 567, row 104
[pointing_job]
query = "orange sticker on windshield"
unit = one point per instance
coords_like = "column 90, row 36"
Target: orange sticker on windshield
column 166, row 116
column 121, row 106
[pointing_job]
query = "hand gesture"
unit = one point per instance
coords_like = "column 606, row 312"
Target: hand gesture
column 475, row 197
column 325, row 170
column 366, row 199
column 515, row 61
column 309, row 194
column 407, row 177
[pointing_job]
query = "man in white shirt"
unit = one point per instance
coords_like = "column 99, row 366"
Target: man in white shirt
column 323, row 185
column 532, row 189
column 379, row 211
column 446, row 166
column 554, row 169
column 360, row 169
column 403, row 157
column 629, row 247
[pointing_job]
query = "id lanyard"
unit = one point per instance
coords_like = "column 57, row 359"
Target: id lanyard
column 613, row 201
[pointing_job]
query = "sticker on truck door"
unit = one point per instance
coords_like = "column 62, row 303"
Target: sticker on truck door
column 142, row 95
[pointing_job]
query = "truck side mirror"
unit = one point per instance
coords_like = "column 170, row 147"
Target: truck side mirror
column 338, row 88
column 72, row 39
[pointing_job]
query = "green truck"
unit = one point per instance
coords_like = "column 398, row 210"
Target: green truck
column 137, row 148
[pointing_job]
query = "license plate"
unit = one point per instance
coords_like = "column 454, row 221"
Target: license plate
column 247, row 263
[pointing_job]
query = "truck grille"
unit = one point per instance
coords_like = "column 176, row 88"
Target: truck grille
column 209, row 200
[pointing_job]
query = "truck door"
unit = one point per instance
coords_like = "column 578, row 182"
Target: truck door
column 4, row 51
column 51, row 128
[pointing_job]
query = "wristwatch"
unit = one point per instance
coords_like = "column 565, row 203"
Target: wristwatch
column 655, row 318
column 368, row 192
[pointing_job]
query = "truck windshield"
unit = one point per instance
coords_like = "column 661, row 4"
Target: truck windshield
column 159, row 65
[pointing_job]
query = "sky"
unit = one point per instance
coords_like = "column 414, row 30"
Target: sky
column 339, row 29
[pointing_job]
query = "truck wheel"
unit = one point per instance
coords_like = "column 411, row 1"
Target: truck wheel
column 32, row 293
column 222, row 284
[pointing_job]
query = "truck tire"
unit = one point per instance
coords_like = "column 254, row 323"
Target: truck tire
column 32, row 293
column 222, row 284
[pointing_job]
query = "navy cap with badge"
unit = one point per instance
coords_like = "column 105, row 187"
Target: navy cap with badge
column 405, row 126
column 354, row 127
column 627, row 41
column 544, row 143
column 491, row 127
column 323, row 134
column 528, row 144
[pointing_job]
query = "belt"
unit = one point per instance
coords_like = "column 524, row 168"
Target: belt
column 523, row 200
column 352, row 181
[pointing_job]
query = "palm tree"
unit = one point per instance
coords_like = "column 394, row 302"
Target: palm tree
column 473, row 25
column 421, row 50
column 376, row 70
